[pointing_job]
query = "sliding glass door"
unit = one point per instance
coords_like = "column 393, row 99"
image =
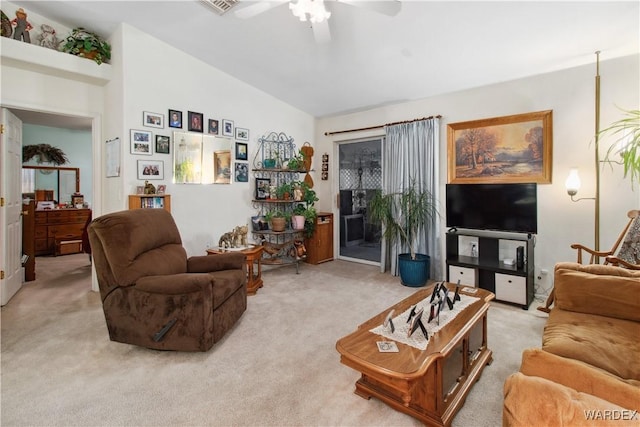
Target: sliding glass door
column 360, row 176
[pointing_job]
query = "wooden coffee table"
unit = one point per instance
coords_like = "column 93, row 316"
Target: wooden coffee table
column 430, row 385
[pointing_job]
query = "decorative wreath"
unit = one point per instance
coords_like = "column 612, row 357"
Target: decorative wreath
column 45, row 153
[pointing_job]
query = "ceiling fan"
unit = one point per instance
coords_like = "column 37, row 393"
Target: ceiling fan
column 315, row 12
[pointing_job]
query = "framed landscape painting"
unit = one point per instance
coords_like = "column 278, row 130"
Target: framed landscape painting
column 509, row 149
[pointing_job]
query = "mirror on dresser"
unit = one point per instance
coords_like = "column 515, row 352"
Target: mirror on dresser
column 50, row 183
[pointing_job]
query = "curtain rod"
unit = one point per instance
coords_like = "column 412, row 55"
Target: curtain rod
column 381, row 126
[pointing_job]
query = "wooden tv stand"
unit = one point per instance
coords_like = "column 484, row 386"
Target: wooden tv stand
column 430, row 385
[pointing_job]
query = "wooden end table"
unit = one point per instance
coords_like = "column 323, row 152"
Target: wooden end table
column 430, row 385
column 254, row 255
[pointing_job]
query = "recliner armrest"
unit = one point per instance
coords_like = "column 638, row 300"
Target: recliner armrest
column 174, row 284
column 209, row 263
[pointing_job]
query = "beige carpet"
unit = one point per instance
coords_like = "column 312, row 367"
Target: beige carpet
column 278, row 366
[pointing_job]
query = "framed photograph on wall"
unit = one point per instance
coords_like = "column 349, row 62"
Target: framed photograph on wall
column 213, row 127
column 150, row 169
column 222, row 167
column 162, row 144
column 262, row 188
column 241, row 151
column 141, row 142
column 241, row 172
column 509, row 149
column 175, row 119
column 154, row 120
column 242, row 134
column 227, row 127
column 195, row 122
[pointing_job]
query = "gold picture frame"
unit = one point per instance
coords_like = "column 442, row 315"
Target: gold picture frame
column 508, row 149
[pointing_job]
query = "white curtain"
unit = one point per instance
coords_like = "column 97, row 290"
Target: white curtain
column 411, row 153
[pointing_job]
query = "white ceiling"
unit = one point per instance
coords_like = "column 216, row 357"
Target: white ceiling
column 428, row 48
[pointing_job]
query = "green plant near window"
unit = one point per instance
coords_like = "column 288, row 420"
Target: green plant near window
column 403, row 214
column 627, row 131
column 88, row 45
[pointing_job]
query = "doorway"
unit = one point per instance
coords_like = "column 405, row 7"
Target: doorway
column 74, row 135
column 360, row 176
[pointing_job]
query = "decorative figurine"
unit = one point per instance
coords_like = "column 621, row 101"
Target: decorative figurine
column 149, row 188
column 7, row 29
column 23, row 26
column 227, row 240
column 241, row 236
column 47, row 38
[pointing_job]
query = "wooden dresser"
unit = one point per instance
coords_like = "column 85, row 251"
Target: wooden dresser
column 59, row 225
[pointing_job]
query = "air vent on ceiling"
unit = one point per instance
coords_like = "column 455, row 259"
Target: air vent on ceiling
column 220, row 6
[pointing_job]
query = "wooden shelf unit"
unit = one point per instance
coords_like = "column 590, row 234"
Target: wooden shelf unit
column 487, row 269
column 150, row 201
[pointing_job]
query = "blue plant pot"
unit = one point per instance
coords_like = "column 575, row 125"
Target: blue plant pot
column 269, row 163
column 414, row 272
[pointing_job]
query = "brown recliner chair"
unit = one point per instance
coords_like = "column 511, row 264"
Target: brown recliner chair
column 152, row 295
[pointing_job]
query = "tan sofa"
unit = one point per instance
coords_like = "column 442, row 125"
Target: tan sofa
column 588, row 370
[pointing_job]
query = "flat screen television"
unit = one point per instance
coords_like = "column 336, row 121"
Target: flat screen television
column 500, row 207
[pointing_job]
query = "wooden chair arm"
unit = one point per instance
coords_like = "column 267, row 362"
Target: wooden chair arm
column 617, row 262
column 592, row 252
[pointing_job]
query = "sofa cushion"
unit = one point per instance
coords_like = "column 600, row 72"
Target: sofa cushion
column 581, row 377
column 533, row 401
column 605, row 342
column 598, row 289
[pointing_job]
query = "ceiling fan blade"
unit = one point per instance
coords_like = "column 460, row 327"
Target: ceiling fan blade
column 257, row 8
column 321, row 32
column 390, row 8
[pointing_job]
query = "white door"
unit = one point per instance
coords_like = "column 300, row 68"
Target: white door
column 10, row 218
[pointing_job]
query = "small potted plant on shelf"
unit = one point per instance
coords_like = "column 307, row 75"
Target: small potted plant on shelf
column 306, row 208
column 88, row 45
column 284, row 191
column 296, row 162
column 405, row 214
column 278, row 219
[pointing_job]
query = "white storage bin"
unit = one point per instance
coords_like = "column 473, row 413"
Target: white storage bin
column 511, row 288
column 466, row 275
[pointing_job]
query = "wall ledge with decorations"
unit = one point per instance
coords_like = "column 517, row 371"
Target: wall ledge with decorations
column 23, row 55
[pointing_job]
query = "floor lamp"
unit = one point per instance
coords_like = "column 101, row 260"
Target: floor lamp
column 572, row 183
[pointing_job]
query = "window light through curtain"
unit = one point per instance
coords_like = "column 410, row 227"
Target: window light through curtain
column 411, row 152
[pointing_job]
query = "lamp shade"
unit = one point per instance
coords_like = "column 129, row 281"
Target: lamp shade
column 572, row 184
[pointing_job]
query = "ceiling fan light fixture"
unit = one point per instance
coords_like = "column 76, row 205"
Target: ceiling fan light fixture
column 309, row 10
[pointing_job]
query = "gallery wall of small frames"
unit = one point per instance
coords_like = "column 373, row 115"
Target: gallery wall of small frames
column 144, row 143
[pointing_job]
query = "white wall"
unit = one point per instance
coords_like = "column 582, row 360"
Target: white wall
column 166, row 78
column 571, row 96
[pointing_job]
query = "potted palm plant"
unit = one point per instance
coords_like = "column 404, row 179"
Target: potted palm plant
column 627, row 130
column 88, row 45
column 403, row 215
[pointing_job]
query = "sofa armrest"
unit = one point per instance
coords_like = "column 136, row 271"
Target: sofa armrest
column 218, row 262
column 534, row 401
column 174, row 284
column 581, row 377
